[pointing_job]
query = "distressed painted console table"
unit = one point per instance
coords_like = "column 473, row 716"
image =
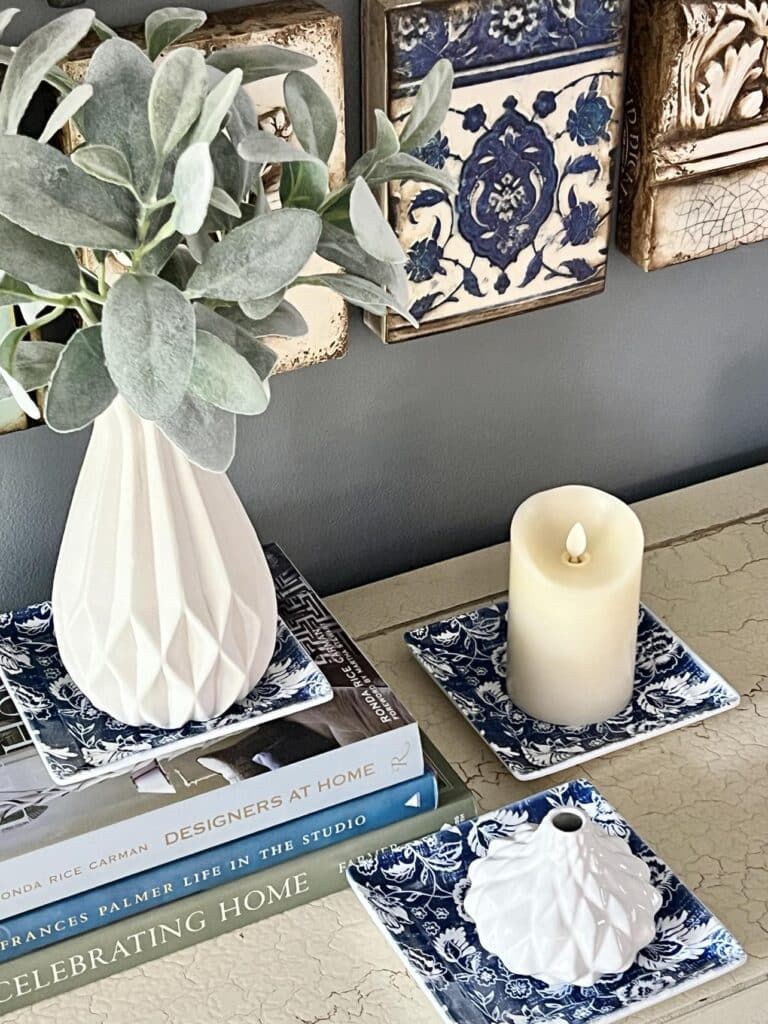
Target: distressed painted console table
column 699, row 795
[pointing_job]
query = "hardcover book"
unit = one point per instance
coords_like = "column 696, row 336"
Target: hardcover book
column 56, row 842
column 86, row 911
column 236, row 903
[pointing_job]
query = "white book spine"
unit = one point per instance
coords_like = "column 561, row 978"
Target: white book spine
column 200, row 822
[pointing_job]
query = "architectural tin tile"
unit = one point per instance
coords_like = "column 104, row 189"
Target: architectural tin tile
column 694, row 177
column 530, row 135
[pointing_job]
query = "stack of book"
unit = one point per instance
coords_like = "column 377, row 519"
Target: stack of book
column 102, row 876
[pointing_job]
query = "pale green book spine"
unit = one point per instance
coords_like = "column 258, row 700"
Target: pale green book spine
column 116, row 947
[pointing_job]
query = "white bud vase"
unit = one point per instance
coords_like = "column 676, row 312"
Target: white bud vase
column 163, row 603
column 563, row 902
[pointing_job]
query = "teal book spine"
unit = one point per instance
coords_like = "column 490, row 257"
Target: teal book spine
column 208, row 869
column 237, row 903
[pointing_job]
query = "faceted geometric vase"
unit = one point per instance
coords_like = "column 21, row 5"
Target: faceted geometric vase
column 563, row 902
column 163, row 604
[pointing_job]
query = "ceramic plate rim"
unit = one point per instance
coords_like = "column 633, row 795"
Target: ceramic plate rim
column 704, row 977
column 614, row 1015
column 124, row 765
column 733, row 701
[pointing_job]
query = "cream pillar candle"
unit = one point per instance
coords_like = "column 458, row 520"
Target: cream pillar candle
column 574, row 595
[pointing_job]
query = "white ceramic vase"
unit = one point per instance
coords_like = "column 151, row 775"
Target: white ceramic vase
column 563, row 902
column 164, row 606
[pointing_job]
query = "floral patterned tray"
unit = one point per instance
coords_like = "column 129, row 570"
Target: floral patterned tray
column 79, row 743
column 466, row 657
column 415, row 895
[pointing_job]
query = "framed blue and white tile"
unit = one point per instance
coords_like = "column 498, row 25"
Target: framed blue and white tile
column 530, row 138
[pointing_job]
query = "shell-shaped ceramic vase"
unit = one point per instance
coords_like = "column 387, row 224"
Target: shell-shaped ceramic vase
column 563, row 902
column 163, row 603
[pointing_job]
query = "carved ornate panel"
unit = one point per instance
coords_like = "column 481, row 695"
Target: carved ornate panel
column 694, row 177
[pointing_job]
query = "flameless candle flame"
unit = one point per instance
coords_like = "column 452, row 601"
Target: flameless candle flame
column 576, row 544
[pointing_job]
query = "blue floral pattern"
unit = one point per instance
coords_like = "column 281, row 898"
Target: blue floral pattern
column 479, row 33
column 77, row 741
column 415, row 894
column 589, row 120
column 507, row 188
column 532, row 162
column 466, row 657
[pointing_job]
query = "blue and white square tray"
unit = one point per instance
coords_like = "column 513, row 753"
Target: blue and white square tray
column 466, row 656
column 80, row 743
column 415, row 895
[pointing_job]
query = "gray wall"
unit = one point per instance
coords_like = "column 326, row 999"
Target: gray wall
column 397, row 456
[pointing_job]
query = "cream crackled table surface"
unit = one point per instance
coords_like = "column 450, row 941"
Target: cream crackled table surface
column 699, row 795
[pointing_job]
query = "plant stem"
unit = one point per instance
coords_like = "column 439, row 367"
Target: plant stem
column 165, row 232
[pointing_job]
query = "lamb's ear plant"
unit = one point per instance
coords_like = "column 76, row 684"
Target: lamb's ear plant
column 168, row 183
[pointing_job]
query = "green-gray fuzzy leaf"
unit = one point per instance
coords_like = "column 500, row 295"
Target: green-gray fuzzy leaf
column 257, row 62
column 386, row 145
column 362, row 293
column 169, row 24
column 371, row 229
column 11, row 387
column 233, row 327
column 404, row 167
column 37, row 261
column 60, row 81
column 148, row 333
column 387, row 141
column 203, row 432
column 9, row 343
column 117, row 115
column 176, row 98
column 105, row 163
column 285, row 321
column 11, row 290
column 33, row 363
column 81, row 388
column 155, row 260
column 304, row 185
column 216, row 107
column 45, row 193
column 33, row 59
column 55, row 77
column 429, row 108
column 257, row 309
column 65, row 110
column 258, row 258
column 341, row 248
column 223, row 201
column 265, row 148
column 311, row 114
column 102, row 30
column 192, row 185
column 179, row 267
column 221, row 376
column 199, row 245
column 6, row 17
column 231, row 173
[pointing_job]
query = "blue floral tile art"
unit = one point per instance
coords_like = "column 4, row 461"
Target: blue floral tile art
column 530, row 139
column 415, row 895
column 466, row 656
column 79, row 743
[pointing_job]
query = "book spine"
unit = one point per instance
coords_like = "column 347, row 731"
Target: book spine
column 200, row 872
column 198, row 823
column 165, row 930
